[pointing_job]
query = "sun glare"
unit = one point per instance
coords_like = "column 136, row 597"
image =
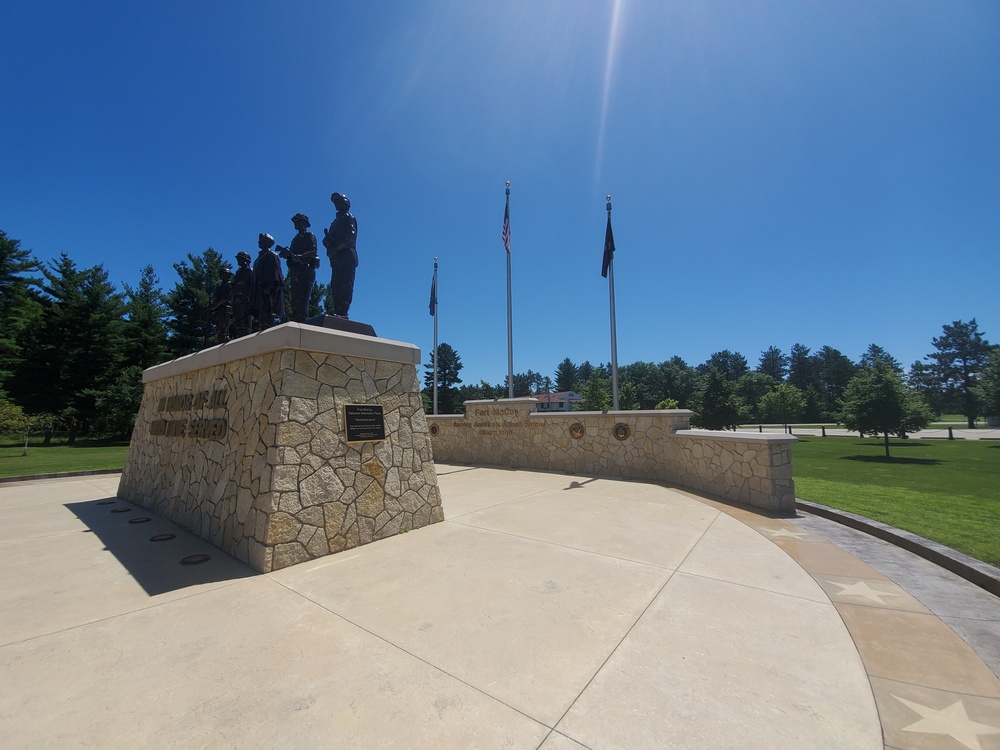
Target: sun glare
column 609, row 64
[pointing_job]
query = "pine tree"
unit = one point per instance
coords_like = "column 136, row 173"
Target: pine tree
column 961, row 354
column 449, row 364
column 774, row 363
column 73, row 349
column 716, row 405
column 189, row 324
column 145, row 330
column 566, row 375
column 18, row 303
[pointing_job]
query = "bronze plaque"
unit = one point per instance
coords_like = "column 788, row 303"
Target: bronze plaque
column 364, row 422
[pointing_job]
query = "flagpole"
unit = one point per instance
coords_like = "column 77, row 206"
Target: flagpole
column 510, row 325
column 434, row 300
column 614, row 332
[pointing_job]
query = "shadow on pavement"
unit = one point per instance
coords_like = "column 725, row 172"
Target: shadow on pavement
column 158, row 554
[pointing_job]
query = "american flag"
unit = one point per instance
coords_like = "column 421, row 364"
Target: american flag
column 505, row 234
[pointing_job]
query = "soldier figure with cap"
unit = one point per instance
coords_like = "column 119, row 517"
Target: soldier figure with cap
column 243, row 296
column 269, row 283
column 302, row 261
column 221, row 306
column 340, row 241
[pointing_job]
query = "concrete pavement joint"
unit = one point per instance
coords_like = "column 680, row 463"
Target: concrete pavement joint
column 634, row 623
column 566, row 546
column 408, row 653
column 153, row 605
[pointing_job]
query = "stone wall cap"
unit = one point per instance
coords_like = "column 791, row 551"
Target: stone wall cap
column 289, row 336
column 738, row 436
column 622, row 414
column 517, row 400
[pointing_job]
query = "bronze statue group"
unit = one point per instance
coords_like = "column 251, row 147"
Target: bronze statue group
column 257, row 294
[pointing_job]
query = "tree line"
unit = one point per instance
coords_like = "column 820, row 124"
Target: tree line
column 873, row 395
column 73, row 346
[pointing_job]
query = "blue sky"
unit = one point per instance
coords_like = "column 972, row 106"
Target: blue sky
column 781, row 172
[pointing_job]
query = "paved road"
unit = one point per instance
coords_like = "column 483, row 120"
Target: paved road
column 991, row 433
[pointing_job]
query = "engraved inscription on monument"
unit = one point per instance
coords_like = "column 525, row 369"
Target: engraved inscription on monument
column 191, row 426
column 364, row 422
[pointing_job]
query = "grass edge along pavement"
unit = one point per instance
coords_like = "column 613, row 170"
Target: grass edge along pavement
column 59, row 458
column 948, row 492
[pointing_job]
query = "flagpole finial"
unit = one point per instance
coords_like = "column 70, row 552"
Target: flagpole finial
column 609, row 203
column 508, row 188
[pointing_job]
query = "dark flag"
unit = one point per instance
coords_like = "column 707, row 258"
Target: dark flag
column 434, row 292
column 609, row 248
column 505, row 234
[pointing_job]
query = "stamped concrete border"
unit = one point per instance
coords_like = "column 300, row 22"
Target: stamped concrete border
column 975, row 571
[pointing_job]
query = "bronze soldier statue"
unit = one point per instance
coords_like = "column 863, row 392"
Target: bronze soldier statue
column 269, row 283
column 302, row 261
column 340, row 241
column 221, row 306
column 243, row 296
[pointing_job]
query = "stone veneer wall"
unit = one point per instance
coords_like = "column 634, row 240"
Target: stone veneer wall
column 244, row 444
column 745, row 467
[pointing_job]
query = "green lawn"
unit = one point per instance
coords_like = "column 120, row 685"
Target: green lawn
column 948, row 491
column 86, row 455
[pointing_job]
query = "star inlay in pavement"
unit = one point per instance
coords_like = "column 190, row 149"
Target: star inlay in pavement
column 785, row 533
column 952, row 721
column 862, row 589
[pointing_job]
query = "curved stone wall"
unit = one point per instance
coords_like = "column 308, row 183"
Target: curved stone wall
column 745, row 467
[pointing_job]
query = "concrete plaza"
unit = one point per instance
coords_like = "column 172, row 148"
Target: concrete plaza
column 548, row 611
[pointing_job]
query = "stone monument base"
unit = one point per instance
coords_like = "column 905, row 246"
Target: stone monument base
column 342, row 324
column 287, row 445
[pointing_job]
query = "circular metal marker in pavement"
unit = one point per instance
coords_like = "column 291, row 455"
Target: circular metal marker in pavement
column 162, row 537
column 106, row 502
column 121, row 510
column 195, row 559
column 144, row 519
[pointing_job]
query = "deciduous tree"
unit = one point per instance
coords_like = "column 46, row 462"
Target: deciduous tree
column 595, row 393
column 732, row 365
column 877, row 403
column 679, row 381
column 784, row 405
column 988, row 388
